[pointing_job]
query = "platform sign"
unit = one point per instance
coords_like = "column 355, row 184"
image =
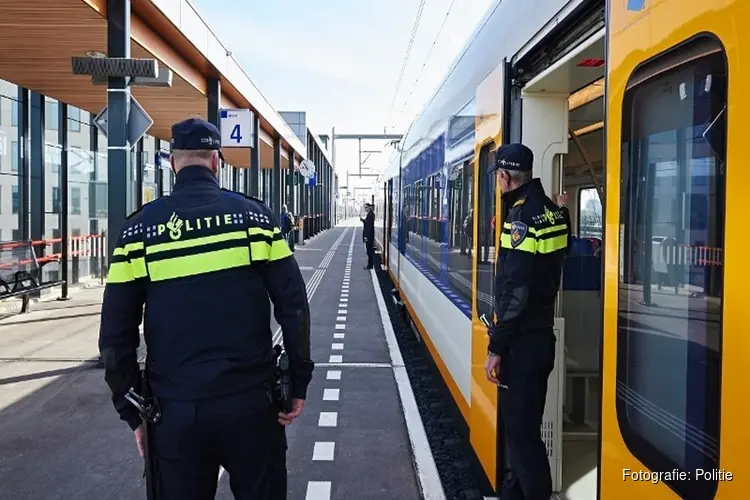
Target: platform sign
column 139, row 122
column 236, row 128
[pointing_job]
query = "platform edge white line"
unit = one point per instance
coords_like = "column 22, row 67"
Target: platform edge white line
column 424, row 462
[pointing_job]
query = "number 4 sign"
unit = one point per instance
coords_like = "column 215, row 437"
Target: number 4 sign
column 236, row 128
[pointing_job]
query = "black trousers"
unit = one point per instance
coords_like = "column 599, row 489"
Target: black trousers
column 238, row 432
column 370, row 247
column 524, row 372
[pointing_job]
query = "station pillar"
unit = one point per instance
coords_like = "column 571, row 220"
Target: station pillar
column 119, row 173
column 290, row 182
column 214, row 101
column 254, row 159
column 276, row 184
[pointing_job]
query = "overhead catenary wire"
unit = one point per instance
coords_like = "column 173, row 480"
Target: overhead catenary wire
column 427, row 58
column 414, row 30
column 468, row 45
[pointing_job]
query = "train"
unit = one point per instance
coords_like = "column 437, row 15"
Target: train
column 626, row 106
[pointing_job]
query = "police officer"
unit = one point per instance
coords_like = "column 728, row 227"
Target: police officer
column 368, row 234
column 533, row 245
column 205, row 261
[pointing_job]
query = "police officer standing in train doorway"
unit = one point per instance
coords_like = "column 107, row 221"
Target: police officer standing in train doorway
column 534, row 241
column 204, row 262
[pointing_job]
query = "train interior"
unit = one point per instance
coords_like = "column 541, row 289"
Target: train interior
column 571, row 141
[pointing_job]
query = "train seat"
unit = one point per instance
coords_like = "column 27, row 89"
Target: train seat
column 581, row 304
column 581, row 308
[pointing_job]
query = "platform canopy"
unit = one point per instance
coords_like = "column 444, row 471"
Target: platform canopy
column 40, row 37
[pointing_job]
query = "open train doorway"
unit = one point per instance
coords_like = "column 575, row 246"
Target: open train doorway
column 563, row 116
column 581, row 297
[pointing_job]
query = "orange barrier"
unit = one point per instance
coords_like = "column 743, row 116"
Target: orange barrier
column 88, row 246
column 689, row 255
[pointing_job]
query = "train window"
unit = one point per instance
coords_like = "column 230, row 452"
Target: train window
column 388, row 214
column 589, row 213
column 485, row 251
column 395, row 209
column 407, row 225
column 671, row 269
column 414, row 248
column 460, row 228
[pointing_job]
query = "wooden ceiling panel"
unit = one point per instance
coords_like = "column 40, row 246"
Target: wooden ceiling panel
column 37, row 54
column 240, row 157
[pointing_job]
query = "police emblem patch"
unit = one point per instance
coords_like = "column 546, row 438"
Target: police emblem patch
column 518, row 232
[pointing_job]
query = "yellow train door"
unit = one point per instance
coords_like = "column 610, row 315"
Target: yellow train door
column 675, row 349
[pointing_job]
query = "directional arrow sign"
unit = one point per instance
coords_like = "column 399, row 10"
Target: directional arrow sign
column 138, row 122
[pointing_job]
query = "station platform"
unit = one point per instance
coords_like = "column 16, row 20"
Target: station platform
column 360, row 436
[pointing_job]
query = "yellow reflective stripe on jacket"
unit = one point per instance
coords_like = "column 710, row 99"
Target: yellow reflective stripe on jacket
column 549, row 244
column 527, row 245
column 539, row 232
column 279, row 250
column 271, row 247
column 199, row 263
column 263, row 232
column 553, row 244
column 128, row 263
column 547, row 230
column 120, row 272
column 260, row 250
column 536, row 240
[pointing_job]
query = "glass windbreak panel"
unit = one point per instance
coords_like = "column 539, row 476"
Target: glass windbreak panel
column 82, row 220
column 486, row 234
column 589, row 213
column 11, row 214
column 53, row 209
column 671, row 266
column 166, row 179
column 150, row 171
column 51, row 120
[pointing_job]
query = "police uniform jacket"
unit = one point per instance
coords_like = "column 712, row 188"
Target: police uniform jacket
column 368, row 229
column 204, row 262
column 533, row 244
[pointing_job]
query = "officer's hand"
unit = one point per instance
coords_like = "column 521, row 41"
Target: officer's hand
column 491, row 367
column 139, row 439
column 561, row 199
column 297, row 407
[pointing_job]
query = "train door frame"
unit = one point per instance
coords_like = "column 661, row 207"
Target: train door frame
column 581, row 29
column 389, row 221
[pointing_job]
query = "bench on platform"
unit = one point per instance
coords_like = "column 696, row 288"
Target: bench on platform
column 21, row 271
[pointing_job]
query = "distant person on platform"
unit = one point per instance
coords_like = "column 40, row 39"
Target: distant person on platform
column 287, row 226
column 368, row 234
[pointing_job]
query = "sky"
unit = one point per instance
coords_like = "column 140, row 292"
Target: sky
column 340, row 61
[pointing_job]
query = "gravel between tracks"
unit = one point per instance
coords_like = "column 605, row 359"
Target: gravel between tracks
column 446, row 432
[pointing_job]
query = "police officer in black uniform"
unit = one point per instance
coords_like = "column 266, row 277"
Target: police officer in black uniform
column 534, row 242
column 204, row 262
column 368, row 234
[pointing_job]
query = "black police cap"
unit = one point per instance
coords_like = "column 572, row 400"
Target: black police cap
column 514, row 156
column 194, row 133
